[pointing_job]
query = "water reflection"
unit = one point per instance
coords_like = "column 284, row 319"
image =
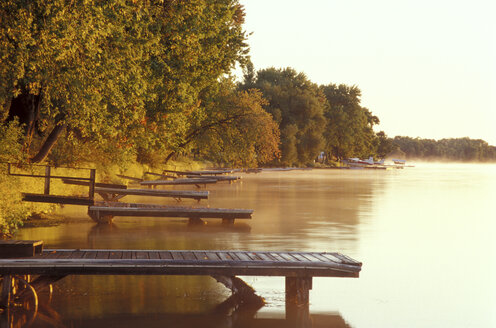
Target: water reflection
column 294, row 211
column 236, row 317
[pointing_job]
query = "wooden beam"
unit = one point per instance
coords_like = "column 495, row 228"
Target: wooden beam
column 74, row 181
column 57, row 199
column 161, row 175
column 195, row 181
column 156, row 193
column 20, row 248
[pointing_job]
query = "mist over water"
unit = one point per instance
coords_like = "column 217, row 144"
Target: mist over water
column 425, row 236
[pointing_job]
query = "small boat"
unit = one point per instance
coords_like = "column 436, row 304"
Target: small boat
column 399, row 161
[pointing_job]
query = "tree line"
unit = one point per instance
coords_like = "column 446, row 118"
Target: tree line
column 453, row 149
column 119, row 81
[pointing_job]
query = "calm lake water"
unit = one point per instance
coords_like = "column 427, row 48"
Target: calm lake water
column 425, row 235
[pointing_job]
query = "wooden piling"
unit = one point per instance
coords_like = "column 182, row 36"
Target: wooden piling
column 6, row 291
column 47, row 180
column 298, row 297
column 91, row 194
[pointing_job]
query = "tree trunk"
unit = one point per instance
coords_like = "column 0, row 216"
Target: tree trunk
column 26, row 107
column 49, row 143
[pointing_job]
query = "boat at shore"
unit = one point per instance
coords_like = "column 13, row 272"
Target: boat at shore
column 357, row 163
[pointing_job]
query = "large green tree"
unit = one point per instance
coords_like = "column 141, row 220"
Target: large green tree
column 349, row 132
column 297, row 106
column 113, row 72
column 238, row 130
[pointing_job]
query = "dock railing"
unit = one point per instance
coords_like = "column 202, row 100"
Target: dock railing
column 48, row 177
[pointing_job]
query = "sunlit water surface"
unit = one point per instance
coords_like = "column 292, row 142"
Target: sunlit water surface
column 425, row 236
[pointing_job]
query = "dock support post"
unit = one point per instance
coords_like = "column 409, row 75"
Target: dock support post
column 227, row 221
column 47, row 180
column 298, row 299
column 91, row 194
column 6, row 291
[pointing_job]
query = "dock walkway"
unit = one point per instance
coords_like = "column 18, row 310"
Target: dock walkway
column 298, row 268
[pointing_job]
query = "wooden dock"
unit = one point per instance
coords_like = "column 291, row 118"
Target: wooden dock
column 183, row 181
column 104, row 212
column 113, row 194
column 215, row 177
column 298, row 268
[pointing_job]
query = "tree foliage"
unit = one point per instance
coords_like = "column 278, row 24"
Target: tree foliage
column 454, row 149
column 298, row 107
column 112, row 70
column 349, row 131
column 237, row 130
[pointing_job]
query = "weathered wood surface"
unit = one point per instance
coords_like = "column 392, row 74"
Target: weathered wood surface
column 202, row 172
column 172, row 211
column 214, row 177
column 196, row 181
column 20, row 248
column 167, row 176
column 97, row 184
column 156, row 193
column 212, row 172
column 57, row 199
column 185, row 262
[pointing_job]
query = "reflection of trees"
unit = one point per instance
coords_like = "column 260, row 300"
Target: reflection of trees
column 25, row 315
column 305, row 209
column 241, row 318
column 238, row 310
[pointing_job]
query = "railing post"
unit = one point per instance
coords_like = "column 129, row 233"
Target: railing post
column 92, row 184
column 47, row 180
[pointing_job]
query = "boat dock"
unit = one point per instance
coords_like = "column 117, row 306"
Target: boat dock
column 105, row 212
column 183, row 181
column 113, row 194
column 298, row 268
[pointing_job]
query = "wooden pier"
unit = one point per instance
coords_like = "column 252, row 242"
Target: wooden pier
column 113, row 194
column 104, row 212
column 298, row 268
column 183, row 181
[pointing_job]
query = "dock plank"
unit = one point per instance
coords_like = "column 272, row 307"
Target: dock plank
column 115, row 255
column 90, row 254
column 188, row 256
column 153, row 255
column 177, row 256
column 143, row 255
column 164, row 255
column 243, row 256
column 224, row 256
column 212, row 256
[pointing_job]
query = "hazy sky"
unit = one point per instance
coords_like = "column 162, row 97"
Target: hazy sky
column 426, row 68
